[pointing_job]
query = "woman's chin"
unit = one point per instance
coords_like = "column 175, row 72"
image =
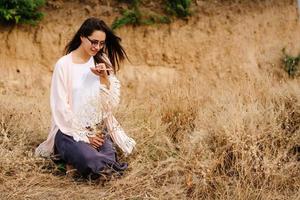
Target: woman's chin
column 93, row 53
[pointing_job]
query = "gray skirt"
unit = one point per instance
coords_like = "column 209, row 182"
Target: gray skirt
column 85, row 158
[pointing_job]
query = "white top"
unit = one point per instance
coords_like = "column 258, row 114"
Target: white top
column 85, row 93
column 78, row 100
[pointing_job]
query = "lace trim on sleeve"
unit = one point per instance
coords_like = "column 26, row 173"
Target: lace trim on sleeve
column 119, row 136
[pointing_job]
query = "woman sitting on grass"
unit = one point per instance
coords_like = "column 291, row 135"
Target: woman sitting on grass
column 84, row 91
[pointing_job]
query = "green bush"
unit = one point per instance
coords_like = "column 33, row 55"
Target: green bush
column 129, row 17
column 291, row 64
column 156, row 18
column 134, row 17
column 20, row 11
column 179, row 8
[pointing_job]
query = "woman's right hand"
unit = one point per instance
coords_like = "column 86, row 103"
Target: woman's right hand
column 96, row 141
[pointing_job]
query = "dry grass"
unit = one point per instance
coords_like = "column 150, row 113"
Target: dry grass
column 200, row 138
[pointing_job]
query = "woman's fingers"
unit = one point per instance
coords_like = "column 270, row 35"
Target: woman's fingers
column 97, row 142
column 100, row 66
column 95, row 71
column 99, row 72
column 94, row 145
column 101, row 69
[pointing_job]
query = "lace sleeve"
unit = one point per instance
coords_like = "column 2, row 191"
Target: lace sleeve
column 111, row 95
column 118, row 135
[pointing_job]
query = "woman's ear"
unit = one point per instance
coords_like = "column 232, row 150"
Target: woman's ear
column 81, row 38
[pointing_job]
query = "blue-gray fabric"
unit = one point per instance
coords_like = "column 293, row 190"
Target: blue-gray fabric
column 85, row 158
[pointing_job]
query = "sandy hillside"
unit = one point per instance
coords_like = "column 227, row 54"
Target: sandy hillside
column 214, row 114
column 219, row 39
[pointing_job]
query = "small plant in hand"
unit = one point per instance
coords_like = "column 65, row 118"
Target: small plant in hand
column 96, row 129
column 21, row 11
column 291, row 64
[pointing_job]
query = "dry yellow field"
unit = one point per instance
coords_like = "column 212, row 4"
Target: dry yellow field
column 213, row 113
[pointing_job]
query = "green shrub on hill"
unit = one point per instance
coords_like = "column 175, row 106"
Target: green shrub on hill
column 179, row 8
column 156, row 18
column 21, row 11
column 291, row 64
column 134, row 16
column 130, row 16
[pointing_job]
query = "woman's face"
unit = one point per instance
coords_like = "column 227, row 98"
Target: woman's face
column 93, row 43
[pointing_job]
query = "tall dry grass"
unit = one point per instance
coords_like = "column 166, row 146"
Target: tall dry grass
column 200, row 137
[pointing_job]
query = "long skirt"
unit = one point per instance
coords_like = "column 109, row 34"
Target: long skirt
column 85, row 158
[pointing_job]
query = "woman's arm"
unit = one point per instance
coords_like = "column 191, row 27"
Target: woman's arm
column 110, row 85
column 118, row 135
column 60, row 107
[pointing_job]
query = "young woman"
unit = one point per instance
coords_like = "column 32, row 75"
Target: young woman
column 84, row 91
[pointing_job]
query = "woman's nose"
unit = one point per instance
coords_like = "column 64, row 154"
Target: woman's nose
column 97, row 47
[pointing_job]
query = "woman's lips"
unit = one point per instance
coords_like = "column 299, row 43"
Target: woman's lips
column 94, row 51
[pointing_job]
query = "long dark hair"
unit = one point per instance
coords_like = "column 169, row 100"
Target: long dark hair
column 112, row 47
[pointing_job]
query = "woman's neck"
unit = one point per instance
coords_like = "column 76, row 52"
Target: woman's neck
column 80, row 56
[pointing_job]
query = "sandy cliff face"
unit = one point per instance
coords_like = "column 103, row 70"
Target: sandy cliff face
column 217, row 41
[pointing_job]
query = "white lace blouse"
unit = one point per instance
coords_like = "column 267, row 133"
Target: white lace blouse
column 78, row 100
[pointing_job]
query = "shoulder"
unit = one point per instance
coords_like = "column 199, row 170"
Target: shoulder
column 60, row 67
column 63, row 61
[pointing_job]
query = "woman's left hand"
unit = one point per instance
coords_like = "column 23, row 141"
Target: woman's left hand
column 102, row 71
